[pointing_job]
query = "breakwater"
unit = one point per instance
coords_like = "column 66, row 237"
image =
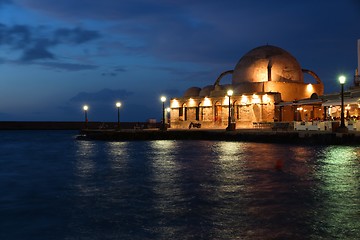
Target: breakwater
column 69, row 125
column 264, row 136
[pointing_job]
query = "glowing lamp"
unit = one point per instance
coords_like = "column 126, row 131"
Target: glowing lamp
column 163, row 99
column 342, row 79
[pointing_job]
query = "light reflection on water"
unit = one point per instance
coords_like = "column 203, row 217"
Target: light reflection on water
column 339, row 174
column 176, row 190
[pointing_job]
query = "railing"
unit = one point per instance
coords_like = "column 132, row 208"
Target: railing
column 325, row 125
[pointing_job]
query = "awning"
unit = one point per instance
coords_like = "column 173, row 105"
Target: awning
column 301, row 102
column 337, row 102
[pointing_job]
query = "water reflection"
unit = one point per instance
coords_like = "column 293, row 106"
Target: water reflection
column 85, row 156
column 118, row 156
column 339, row 175
column 218, row 190
column 166, row 187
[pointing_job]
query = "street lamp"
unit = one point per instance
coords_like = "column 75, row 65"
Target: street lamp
column 85, row 107
column 167, row 116
column 229, row 94
column 163, row 99
column 118, row 105
column 342, row 127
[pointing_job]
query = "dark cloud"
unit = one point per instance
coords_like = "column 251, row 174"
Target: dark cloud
column 113, row 72
column 34, row 46
column 109, row 74
column 75, row 35
column 38, row 51
column 17, row 36
column 105, row 95
column 68, row 66
column 119, row 69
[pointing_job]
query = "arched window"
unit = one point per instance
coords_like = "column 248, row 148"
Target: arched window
column 217, row 112
column 198, row 114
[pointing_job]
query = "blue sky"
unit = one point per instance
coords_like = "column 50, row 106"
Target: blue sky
column 56, row 56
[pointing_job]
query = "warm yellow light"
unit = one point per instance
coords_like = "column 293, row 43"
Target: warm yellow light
column 309, row 88
column 255, row 99
column 174, row 104
column 262, row 76
column 118, row 104
column 244, row 99
column 168, row 109
column 230, row 92
column 266, row 98
column 191, row 102
column 163, row 99
column 207, row 102
column 85, row 107
column 342, row 79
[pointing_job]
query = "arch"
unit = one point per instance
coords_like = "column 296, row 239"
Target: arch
column 218, row 112
column 314, row 96
column 314, row 75
column 183, row 112
column 235, row 110
column 198, row 112
column 217, row 82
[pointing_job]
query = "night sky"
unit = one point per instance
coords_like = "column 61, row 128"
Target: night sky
column 56, row 56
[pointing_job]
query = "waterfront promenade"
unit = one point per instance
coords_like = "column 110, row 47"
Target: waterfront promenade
column 248, row 135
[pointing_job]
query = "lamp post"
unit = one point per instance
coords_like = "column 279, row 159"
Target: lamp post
column 229, row 94
column 85, row 107
column 118, row 105
column 342, row 127
column 163, row 99
column 167, row 117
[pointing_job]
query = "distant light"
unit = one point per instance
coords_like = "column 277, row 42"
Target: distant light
column 118, row 104
column 163, row 99
column 85, row 107
column 168, row 109
column 230, row 92
column 342, row 79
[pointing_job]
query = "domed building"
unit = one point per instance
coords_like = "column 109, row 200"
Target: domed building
column 263, row 80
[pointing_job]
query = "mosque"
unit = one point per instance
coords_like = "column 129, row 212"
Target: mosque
column 267, row 86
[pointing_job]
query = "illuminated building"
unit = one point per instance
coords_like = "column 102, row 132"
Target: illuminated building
column 263, row 82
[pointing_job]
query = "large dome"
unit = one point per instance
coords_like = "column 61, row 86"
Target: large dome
column 267, row 63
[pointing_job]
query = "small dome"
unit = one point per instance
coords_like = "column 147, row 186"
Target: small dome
column 192, row 92
column 267, row 63
column 206, row 91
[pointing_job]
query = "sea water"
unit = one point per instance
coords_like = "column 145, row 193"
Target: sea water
column 56, row 187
